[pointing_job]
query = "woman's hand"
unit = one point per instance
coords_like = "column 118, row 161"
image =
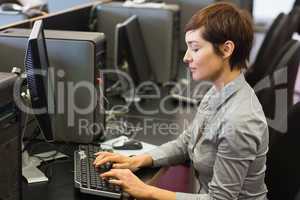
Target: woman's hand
column 129, row 183
column 122, row 162
column 135, row 187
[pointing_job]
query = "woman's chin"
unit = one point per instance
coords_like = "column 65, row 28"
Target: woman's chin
column 198, row 77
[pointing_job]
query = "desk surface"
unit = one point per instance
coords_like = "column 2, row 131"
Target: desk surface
column 61, row 184
column 60, row 172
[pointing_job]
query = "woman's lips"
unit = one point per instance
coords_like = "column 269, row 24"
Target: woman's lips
column 192, row 69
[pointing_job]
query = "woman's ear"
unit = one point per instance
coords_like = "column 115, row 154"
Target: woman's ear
column 227, row 49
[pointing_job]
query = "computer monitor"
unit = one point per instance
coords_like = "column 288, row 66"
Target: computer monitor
column 130, row 53
column 38, row 80
column 137, row 50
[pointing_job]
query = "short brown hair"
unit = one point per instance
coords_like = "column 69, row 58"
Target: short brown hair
column 224, row 21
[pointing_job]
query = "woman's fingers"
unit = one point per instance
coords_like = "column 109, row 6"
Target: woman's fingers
column 120, row 166
column 103, row 153
column 116, row 182
column 100, row 155
column 98, row 158
column 113, row 158
column 101, row 161
column 116, row 173
column 111, row 173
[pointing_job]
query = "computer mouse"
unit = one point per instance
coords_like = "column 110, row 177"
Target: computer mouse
column 130, row 144
column 11, row 7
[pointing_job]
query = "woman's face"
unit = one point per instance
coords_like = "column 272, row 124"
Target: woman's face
column 202, row 61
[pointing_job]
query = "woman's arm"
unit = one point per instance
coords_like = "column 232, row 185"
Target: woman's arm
column 135, row 187
column 160, row 194
column 174, row 152
column 238, row 146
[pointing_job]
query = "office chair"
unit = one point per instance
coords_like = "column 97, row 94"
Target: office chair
column 271, row 95
column 283, row 163
column 295, row 19
column 253, row 75
column 281, row 31
column 283, row 174
column 297, row 3
column 298, row 195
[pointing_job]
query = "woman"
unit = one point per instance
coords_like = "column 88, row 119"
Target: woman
column 228, row 139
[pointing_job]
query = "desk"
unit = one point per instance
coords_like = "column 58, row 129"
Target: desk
column 61, row 184
column 60, row 173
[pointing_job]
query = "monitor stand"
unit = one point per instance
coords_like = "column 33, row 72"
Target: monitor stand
column 30, row 163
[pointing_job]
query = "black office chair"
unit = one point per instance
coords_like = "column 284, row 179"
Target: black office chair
column 276, row 78
column 298, row 195
column 283, row 161
column 297, row 3
column 254, row 74
column 278, row 34
column 295, row 19
column 283, row 174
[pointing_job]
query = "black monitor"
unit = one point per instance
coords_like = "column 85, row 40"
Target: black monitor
column 130, row 51
column 36, row 66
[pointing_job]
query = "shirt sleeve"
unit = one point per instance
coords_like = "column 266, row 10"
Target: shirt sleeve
column 237, row 147
column 176, row 152
column 172, row 153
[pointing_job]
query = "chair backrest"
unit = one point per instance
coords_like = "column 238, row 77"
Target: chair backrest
column 278, row 34
column 298, row 195
column 283, row 161
column 297, row 3
column 254, row 71
column 275, row 93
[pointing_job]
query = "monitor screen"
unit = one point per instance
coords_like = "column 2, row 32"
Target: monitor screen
column 36, row 65
column 130, row 51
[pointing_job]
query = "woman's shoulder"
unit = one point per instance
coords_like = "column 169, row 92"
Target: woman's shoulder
column 246, row 115
column 245, row 106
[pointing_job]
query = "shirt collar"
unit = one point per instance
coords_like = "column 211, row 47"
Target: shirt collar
column 217, row 98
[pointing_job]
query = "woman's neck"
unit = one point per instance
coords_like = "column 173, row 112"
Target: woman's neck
column 226, row 77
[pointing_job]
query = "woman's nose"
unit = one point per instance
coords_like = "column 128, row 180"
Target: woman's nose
column 187, row 57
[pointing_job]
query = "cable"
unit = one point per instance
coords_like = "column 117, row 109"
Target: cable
column 47, row 167
column 114, row 86
column 122, row 128
column 43, row 158
column 118, row 110
column 25, row 125
column 36, row 145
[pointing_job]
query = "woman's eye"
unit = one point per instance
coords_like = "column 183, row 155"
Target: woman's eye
column 195, row 50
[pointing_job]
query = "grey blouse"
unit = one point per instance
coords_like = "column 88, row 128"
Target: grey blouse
column 227, row 143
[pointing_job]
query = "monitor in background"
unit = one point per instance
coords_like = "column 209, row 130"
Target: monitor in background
column 131, row 57
column 77, row 117
column 137, row 56
column 41, row 98
column 38, row 79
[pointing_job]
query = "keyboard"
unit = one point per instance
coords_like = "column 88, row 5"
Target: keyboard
column 86, row 176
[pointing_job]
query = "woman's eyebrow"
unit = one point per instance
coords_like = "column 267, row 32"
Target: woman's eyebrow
column 192, row 42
